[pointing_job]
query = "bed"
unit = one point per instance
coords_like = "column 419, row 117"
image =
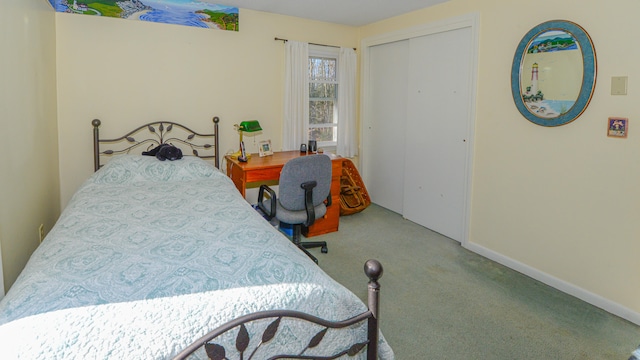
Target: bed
column 149, row 257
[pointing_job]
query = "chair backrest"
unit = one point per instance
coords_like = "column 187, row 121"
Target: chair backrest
column 299, row 170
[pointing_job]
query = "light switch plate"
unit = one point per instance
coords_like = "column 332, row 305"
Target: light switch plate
column 619, row 85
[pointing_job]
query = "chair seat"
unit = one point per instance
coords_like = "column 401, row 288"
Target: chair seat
column 294, row 217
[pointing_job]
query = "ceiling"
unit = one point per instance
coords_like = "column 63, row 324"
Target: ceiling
column 345, row 12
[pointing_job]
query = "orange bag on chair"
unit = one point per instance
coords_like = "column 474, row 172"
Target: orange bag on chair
column 353, row 195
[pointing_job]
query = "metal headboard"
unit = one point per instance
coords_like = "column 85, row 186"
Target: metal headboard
column 204, row 146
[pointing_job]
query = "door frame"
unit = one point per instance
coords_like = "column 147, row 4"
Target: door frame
column 464, row 21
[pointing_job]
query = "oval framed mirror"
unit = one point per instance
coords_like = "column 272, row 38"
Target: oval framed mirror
column 553, row 73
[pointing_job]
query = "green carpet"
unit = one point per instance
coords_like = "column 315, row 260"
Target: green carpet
column 441, row 301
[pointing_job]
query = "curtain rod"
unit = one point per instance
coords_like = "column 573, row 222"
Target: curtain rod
column 285, row 40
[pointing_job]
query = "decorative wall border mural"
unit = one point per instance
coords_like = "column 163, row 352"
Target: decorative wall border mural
column 180, row 12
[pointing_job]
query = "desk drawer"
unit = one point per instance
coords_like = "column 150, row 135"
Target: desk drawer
column 266, row 174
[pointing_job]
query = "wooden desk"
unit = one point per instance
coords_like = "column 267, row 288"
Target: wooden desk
column 261, row 169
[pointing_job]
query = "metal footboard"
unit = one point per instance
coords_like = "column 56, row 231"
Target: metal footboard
column 373, row 270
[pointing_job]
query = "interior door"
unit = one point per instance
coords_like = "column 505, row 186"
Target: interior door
column 438, row 118
column 384, row 130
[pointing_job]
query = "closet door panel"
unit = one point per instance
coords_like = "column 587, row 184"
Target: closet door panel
column 384, row 128
column 437, row 126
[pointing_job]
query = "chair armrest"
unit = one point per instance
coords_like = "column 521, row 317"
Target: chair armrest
column 272, row 195
column 308, row 201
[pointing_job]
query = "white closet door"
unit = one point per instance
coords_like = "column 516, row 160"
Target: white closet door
column 384, row 130
column 438, row 118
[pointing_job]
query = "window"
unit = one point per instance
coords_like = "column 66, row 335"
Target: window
column 323, row 95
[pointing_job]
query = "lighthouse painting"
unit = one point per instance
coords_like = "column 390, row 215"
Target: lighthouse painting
column 553, row 74
column 551, row 80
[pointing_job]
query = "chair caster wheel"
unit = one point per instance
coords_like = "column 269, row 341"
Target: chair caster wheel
column 324, row 250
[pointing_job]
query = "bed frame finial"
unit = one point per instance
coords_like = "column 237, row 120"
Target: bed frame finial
column 373, row 269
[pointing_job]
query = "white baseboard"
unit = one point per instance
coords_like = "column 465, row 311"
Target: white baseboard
column 571, row 289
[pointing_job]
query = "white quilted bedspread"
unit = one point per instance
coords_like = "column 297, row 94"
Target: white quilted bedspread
column 148, row 256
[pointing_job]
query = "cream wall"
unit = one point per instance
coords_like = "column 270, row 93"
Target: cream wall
column 560, row 204
column 556, row 203
column 29, row 187
column 131, row 72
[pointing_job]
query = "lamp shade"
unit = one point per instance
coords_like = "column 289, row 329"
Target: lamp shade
column 249, row 126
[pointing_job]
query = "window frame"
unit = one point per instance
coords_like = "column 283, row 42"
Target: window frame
column 317, row 51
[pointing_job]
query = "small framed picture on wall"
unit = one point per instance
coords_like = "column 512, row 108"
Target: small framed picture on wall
column 617, row 127
column 265, row 148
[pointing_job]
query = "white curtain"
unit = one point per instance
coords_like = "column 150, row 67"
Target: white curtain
column 296, row 95
column 347, row 145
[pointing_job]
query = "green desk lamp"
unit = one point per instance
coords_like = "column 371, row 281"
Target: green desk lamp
column 245, row 126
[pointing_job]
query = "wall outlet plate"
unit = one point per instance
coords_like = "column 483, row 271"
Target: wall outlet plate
column 619, row 85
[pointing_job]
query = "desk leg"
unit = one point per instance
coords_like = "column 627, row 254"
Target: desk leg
column 237, row 176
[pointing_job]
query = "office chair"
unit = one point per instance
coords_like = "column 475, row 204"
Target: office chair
column 304, row 186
